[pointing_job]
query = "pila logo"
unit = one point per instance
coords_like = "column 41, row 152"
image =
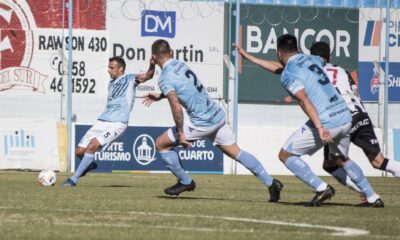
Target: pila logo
column 16, row 38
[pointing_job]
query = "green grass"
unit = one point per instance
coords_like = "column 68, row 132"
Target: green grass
column 133, row 206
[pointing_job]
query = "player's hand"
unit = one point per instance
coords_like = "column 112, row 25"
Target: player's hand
column 153, row 60
column 325, row 135
column 240, row 49
column 150, row 98
column 185, row 143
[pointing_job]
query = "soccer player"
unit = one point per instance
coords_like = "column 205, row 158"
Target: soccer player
column 362, row 131
column 113, row 121
column 181, row 86
column 329, row 119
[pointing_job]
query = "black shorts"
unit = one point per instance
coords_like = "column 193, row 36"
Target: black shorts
column 362, row 135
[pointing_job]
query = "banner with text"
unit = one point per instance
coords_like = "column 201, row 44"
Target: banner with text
column 28, row 144
column 372, row 53
column 261, row 25
column 34, row 47
column 34, row 50
column 193, row 29
column 135, row 151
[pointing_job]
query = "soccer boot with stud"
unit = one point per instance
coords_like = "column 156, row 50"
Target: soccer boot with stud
column 377, row 204
column 275, row 190
column 69, row 183
column 322, row 196
column 179, row 187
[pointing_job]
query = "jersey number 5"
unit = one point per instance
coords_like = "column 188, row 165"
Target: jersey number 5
column 197, row 85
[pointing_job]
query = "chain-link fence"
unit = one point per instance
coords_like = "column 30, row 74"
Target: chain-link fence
column 34, row 53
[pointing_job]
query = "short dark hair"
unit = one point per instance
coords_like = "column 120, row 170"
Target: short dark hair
column 119, row 60
column 160, row 47
column 321, row 49
column 287, row 43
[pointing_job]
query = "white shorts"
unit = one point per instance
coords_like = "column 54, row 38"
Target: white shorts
column 104, row 132
column 219, row 134
column 306, row 141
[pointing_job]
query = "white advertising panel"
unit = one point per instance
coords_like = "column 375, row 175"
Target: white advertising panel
column 372, row 35
column 193, row 29
column 266, row 142
column 28, row 144
column 34, row 57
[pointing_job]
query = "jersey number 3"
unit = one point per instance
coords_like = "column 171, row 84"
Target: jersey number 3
column 197, row 85
column 316, row 69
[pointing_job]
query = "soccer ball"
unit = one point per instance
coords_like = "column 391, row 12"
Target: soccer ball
column 47, row 178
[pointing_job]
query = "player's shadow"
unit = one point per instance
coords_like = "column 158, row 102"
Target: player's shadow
column 118, row 186
column 207, row 198
column 306, row 204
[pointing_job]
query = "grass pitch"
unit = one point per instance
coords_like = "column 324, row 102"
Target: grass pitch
column 133, row 206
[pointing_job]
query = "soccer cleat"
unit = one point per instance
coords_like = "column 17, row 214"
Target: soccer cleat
column 321, row 196
column 377, row 204
column 91, row 167
column 275, row 190
column 178, row 188
column 69, row 183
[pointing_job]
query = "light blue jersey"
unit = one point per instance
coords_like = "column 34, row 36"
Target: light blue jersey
column 121, row 96
column 202, row 110
column 306, row 72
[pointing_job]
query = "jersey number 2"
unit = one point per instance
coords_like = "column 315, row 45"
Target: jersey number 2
column 197, row 85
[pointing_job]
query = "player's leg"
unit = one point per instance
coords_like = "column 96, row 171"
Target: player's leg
column 87, row 160
column 225, row 141
column 164, row 144
column 305, row 141
column 80, row 151
column 100, row 135
column 365, row 138
column 385, row 164
column 339, row 150
column 337, row 172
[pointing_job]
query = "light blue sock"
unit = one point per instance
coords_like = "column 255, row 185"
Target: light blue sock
column 171, row 160
column 341, row 175
column 303, row 172
column 251, row 163
column 357, row 176
column 86, row 161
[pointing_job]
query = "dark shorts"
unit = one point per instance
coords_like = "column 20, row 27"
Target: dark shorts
column 362, row 135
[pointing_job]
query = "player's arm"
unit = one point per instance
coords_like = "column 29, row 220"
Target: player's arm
column 178, row 116
column 272, row 66
column 152, row 97
column 141, row 78
column 312, row 113
column 353, row 84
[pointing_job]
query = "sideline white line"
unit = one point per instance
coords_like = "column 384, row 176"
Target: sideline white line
column 337, row 231
column 197, row 229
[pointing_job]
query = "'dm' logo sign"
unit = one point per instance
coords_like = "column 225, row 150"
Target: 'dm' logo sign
column 158, row 23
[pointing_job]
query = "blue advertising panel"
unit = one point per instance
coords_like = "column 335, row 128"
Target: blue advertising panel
column 396, row 144
column 369, row 75
column 135, row 151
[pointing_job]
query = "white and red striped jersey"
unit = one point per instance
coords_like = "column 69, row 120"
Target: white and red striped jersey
column 345, row 86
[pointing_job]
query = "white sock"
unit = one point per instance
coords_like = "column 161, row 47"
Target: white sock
column 373, row 198
column 393, row 167
column 322, row 187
